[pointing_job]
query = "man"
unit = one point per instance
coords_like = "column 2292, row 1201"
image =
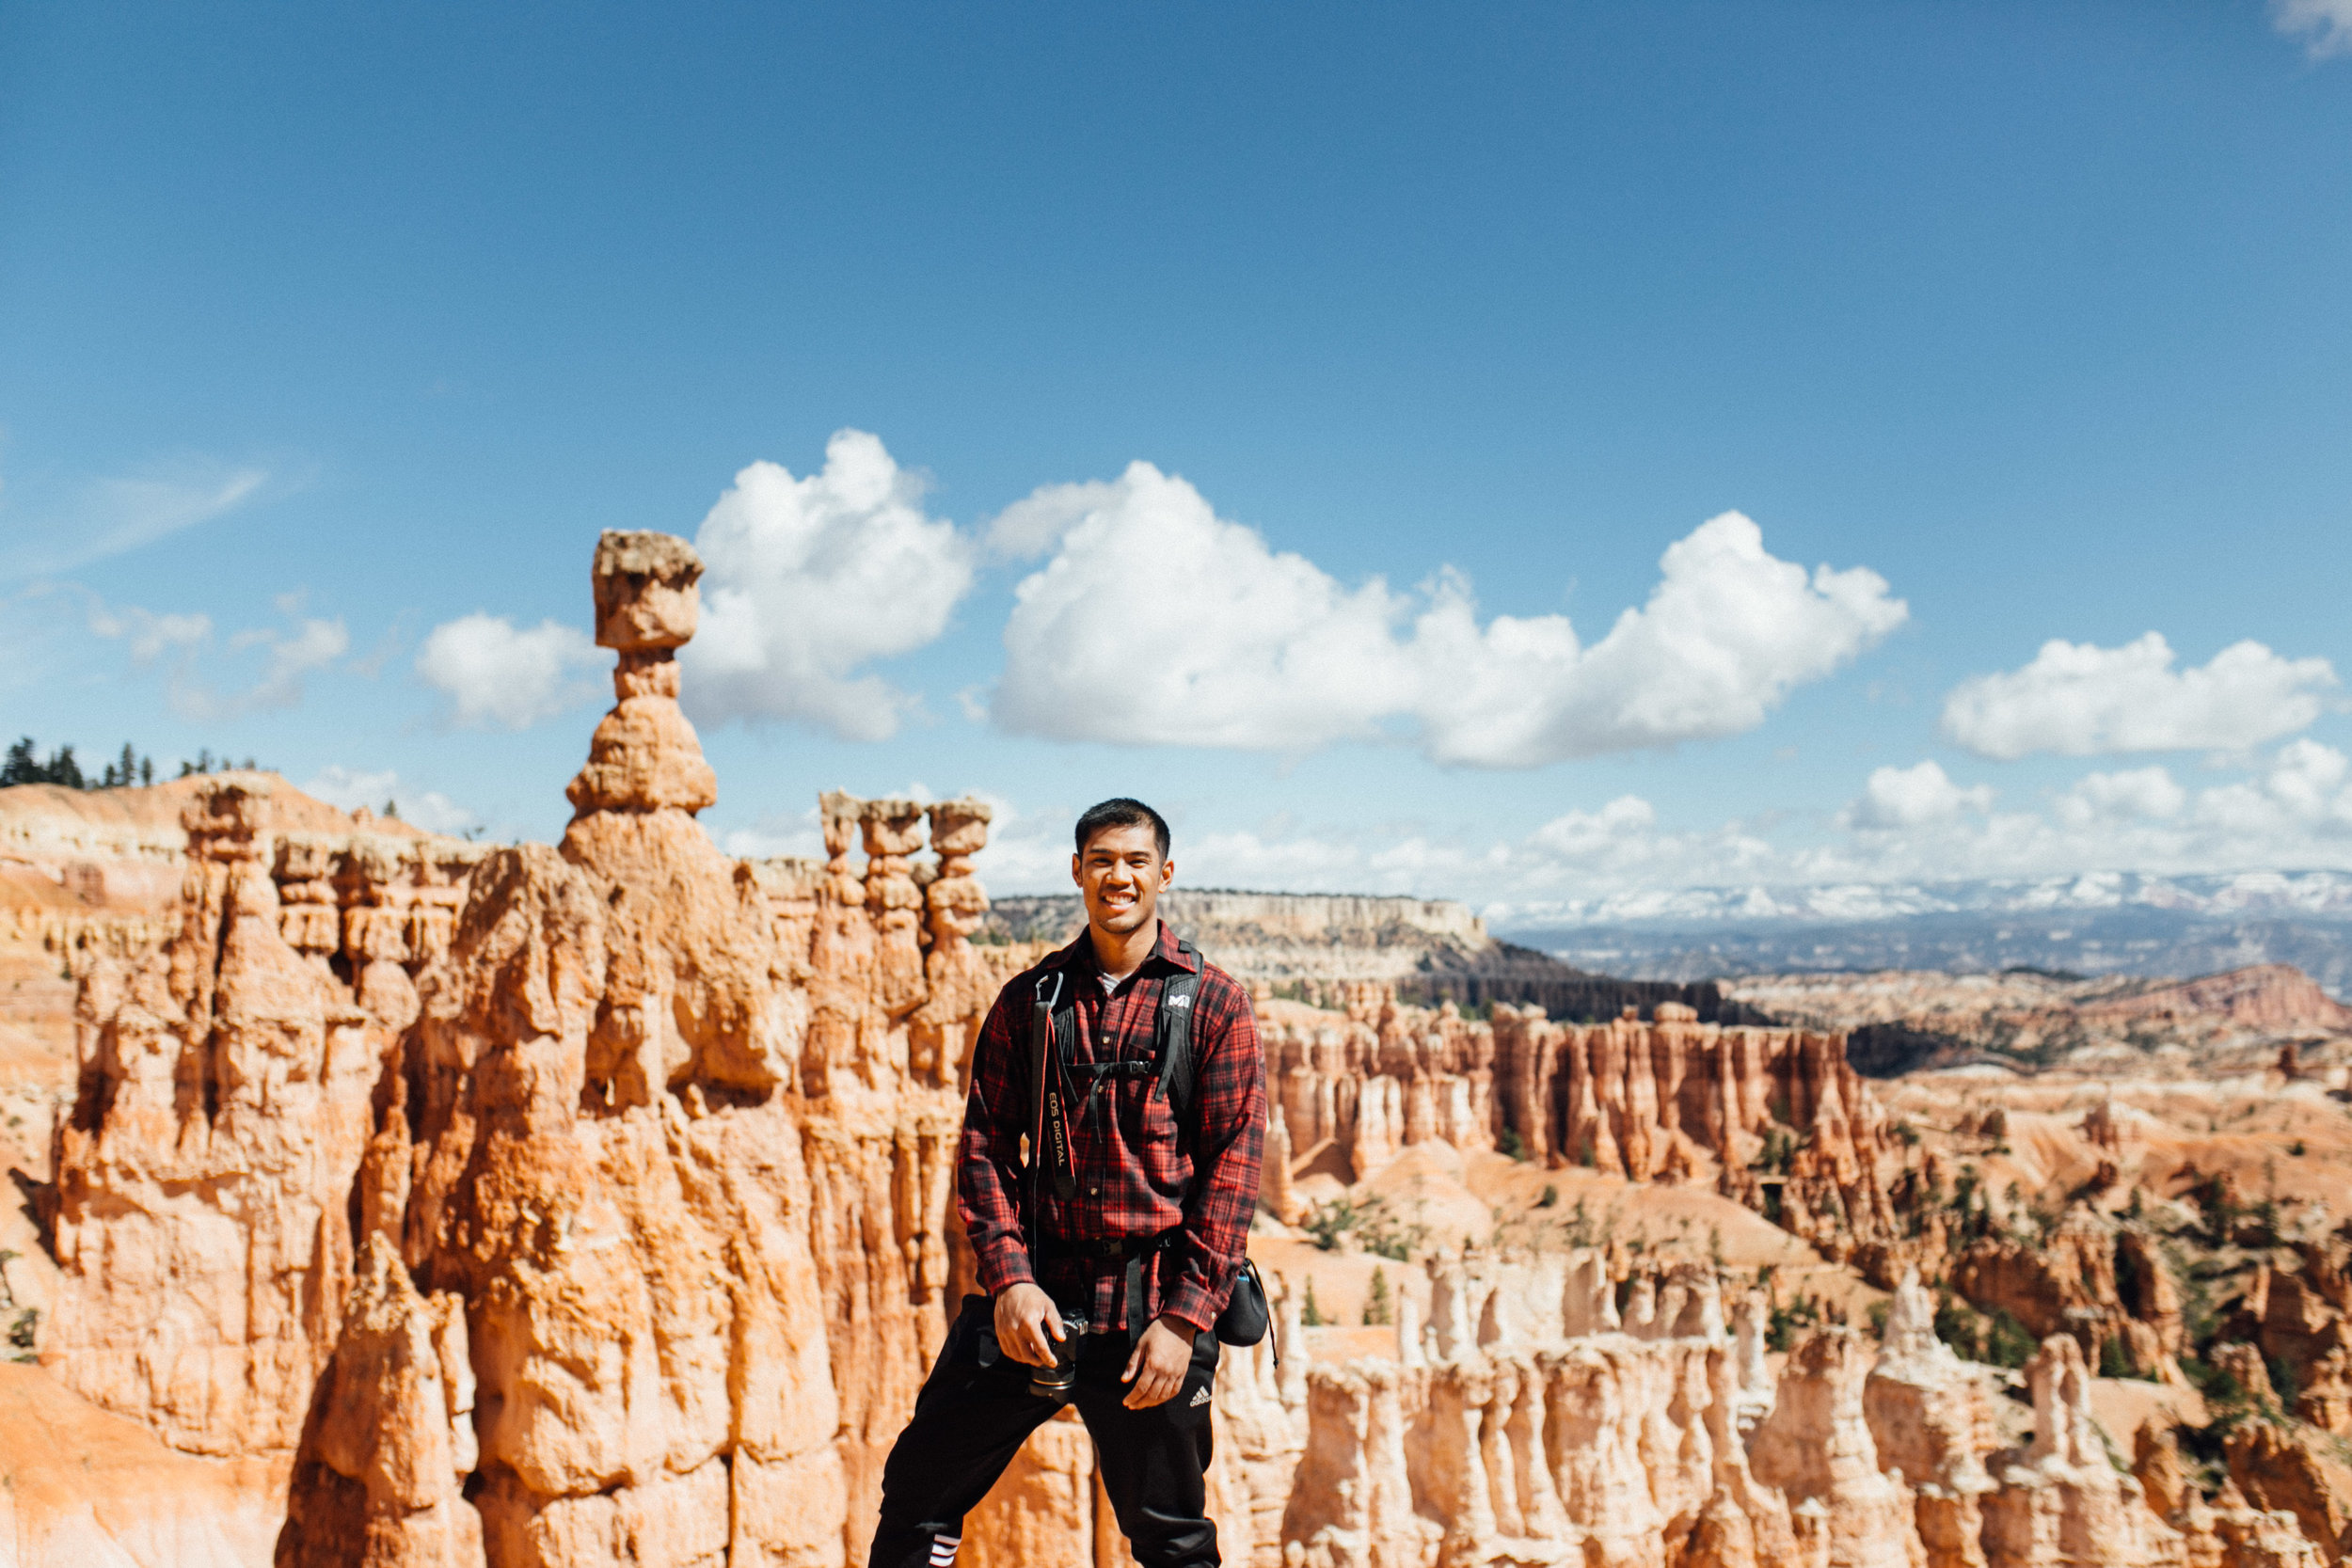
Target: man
column 1137, row 1239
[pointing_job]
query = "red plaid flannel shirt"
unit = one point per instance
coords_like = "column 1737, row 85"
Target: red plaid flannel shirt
column 1137, row 1173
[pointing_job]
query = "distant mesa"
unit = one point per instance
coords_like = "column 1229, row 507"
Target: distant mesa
column 1429, row 950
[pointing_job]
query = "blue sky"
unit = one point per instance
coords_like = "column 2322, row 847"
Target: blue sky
column 327, row 330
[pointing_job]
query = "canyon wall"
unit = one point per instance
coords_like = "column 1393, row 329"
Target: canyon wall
column 88, row 878
column 589, row 1204
column 559, row 1204
column 1774, row 1119
column 1282, row 936
column 224, row 1097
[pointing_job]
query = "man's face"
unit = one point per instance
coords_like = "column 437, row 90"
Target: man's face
column 1121, row 874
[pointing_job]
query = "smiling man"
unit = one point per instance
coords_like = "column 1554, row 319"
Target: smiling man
column 1107, row 1261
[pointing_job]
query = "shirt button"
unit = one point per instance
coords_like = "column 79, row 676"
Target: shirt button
column 1094, row 1192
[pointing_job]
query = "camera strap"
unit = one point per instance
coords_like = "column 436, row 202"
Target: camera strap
column 1049, row 1128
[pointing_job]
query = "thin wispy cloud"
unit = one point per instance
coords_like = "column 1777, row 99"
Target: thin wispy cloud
column 112, row 517
column 291, row 653
column 148, row 636
column 310, row 643
column 382, row 791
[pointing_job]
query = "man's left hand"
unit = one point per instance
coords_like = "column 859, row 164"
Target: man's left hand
column 1156, row 1369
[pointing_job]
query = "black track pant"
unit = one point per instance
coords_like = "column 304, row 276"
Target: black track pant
column 975, row 1411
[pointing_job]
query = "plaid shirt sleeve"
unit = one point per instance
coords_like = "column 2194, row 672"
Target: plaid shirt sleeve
column 1229, row 1108
column 988, row 1156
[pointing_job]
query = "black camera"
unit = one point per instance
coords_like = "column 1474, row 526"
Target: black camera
column 1056, row 1380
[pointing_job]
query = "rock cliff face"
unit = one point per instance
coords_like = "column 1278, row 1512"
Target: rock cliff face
column 1518, row 1441
column 2263, row 996
column 635, row 1156
column 590, row 1205
column 202, row 1215
column 1816, row 1447
column 1930, row 1419
column 2061, row 1500
column 687, row 1179
column 92, row 875
column 2226, row 1530
column 2073, row 1282
column 91, row 878
column 1774, row 1118
column 2111, row 1026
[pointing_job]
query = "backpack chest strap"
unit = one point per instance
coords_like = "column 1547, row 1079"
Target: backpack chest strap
column 1054, row 1046
column 1124, row 1068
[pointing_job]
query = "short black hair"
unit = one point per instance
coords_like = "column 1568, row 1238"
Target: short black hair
column 1119, row 812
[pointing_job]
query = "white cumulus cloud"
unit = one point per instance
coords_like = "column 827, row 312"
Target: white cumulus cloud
column 2137, row 792
column 1911, row 796
column 2325, row 25
column 2291, row 810
column 807, row 580
column 2288, row 810
column 1587, row 835
column 2079, row 699
column 349, row 788
column 495, row 674
column 2306, row 792
column 1155, row 621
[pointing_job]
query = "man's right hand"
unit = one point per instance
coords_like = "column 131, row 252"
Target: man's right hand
column 1024, row 1315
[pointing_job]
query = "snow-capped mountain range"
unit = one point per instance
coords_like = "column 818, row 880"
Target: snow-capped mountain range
column 2098, row 922
column 2233, row 895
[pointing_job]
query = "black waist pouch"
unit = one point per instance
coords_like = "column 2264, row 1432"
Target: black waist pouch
column 1246, row 1317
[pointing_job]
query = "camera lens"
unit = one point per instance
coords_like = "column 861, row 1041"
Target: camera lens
column 1057, row 1381
column 1054, row 1382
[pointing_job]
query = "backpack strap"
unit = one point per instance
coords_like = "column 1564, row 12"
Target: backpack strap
column 1053, row 1044
column 1174, row 1052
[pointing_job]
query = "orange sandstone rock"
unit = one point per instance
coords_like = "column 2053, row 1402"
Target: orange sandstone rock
column 2059, row 1500
column 2074, row 1283
column 1932, row 1422
column 201, row 1201
column 2283, row 1471
column 1815, row 1447
column 591, row 1205
column 2226, row 1533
